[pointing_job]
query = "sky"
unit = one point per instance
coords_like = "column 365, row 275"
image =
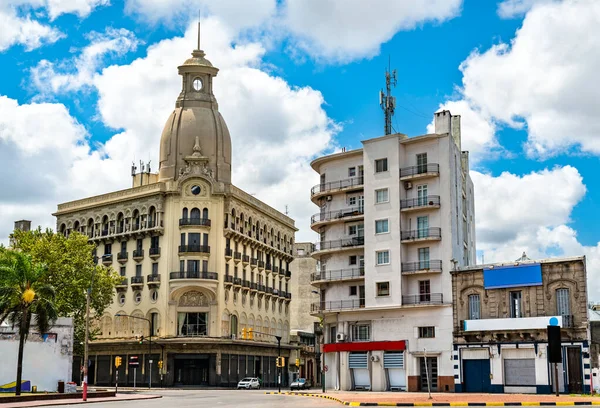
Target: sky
column 87, row 86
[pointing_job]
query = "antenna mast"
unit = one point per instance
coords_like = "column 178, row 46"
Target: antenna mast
column 198, row 30
column 386, row 100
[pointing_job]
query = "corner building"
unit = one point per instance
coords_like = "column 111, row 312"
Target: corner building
column 200, row 259
column 395, row 218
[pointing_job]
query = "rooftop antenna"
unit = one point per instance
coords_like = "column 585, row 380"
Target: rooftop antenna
column 133, row 168
column 386, row 100
column 148, row 167
column 198, row 29
column 286, row 210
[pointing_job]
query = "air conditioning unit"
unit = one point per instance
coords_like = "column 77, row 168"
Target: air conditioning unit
column 407, row 185
column 374, row 358
column 340, row 337
column 328, row 198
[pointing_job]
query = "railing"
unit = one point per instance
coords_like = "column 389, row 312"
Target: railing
column 276, row 292
column 153, row 278
column 228, row 279
column 194, row 275
column 123, row 281
column 288, row 274
column 421, row 233
column 568, row 321
column 288, row 295
column 337, row 214
column 228, row 252
column 122, row 256
column 254, row 286
column 423, row 298
column 338, row 274
column 138, row 253
column 337, row 305
column 237, row 255
column 205, row 222
column 194, row 248
column 337, row 185
column 137, row 280
column 430, row 200
column 246, row 283
column 154, row 251
column 339, row 243
column 268, row 266
column 104, row 231
column 107, row 258
column 237, row 281
column 412, row 267
column 261, row 264
column 262, row 288
column 245, row 258
column 253, row 261
column 420, row 169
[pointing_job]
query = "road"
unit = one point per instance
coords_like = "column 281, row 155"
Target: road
column 218, row 398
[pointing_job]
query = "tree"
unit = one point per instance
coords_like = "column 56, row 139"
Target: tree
column 71, row 269
column 24, row 295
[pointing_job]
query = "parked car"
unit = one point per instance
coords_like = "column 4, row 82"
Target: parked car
column 248, row 383
column 300, row 384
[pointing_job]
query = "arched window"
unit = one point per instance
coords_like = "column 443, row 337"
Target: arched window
column 120, row 223
column 151, row 217
column 76, row 226
column 90, row 228
column 234, row 325
column 105, row 225
column 184, row 213
column 63, row 229
column 136, row 220
column 195, row 213
column 205, row 213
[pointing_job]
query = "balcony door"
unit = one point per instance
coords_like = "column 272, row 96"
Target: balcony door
column 422, row 195
column 424, row 291
column 422, row 227
column 422, row 163
column 361, row 203
column 361, row 296
column 423, row 258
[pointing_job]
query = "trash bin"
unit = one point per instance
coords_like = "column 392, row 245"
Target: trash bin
column 61, row 387
column 34, row 388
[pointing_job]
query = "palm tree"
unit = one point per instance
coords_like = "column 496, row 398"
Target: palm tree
column 23, row 297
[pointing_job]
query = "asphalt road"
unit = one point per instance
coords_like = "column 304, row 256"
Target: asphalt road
column 218, row 398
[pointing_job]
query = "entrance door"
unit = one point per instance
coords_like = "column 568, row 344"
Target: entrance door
column 191, row 371
column 574, row 370
column 476, row 375
column 361, row 295
column 432, row 370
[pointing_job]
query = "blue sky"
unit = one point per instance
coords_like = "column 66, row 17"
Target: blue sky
column 86, row 86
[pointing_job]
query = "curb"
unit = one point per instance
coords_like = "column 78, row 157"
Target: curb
column 442, row 404
column 76, row 401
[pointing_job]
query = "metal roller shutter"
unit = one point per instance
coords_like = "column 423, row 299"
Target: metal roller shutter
column 359, row 363
column 519, row 372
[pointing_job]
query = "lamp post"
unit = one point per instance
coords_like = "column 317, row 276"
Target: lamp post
column 149, row 342
column 321, row 355
column 278, row 358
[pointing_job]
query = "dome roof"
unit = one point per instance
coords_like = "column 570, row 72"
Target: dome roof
column 198, row 59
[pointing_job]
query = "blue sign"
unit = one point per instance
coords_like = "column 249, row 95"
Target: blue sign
column 512, row 276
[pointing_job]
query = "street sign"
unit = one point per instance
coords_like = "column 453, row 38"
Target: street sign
column 133, row 361
column 325, row 368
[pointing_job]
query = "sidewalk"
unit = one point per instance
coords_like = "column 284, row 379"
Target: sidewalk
column 409, row 399
column 119, row 397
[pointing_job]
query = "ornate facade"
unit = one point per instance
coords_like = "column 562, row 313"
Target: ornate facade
column 202, row 261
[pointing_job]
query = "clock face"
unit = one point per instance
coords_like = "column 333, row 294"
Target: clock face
column 196, row 190
column 197, row 84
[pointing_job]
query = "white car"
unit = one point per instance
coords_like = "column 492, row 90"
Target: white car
column 300, row 384
column 248, row 383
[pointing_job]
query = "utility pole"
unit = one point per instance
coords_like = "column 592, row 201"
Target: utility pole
column 85, row 346
column 278, row 357
column 386, row 100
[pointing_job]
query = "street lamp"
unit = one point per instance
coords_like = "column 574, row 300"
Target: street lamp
column 149, row 342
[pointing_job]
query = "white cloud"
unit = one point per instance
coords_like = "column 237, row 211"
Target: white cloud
column 77, row 72
column 545, row 80
column 80, row 7
column 516, row 8
column 341, row 31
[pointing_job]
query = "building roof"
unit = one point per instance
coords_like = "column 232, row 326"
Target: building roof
column 520, row 262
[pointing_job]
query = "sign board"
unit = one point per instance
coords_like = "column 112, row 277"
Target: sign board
column 325, row 368
column 522, row 323
column 133, row 361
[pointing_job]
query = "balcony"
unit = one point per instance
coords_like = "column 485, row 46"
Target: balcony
column 275, row 269
column 409, row 268
column 332, row 305
column 421, row 235
column 246, row 284
column 107, row 259
column 138, row 254
column 228, row 280
column 338, row 275
column 154, row 252
column 153, row 280
column 253, row 261
column 150, row 227
column 269, row 267
column 228, row 253
column 200, row 249
column 337, row 216
column 419, row 172
column 261, row 264
column 237, row 256
column 339, row 244
column 288, row 274
column 423, row 299
column 237, row 282
column 414, row 204
column 122, row 256
column 245, row 259
column 122, row 284
column 269, row 290
column 137, row 281
column 253, row 286
column 262, row 288
column 194, row 222
column 194, row 275
column 337, row 186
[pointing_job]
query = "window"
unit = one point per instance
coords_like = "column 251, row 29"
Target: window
column 422, row 162
column 424, row 291
column 474, row 307
column 137, row 297
column 381, row 226
column 154, row 295
column 122, row 299
column 194, row 239
column 423, row 227
column 361, row 332
column 107, row 249
column 383, row 288
column 423, row 258
column 124, row 247
column 332, row 334
column 154, row 323
column 194, row 324
column 562, row 302
column 351, row 171
column 515, row 304
column 381, row 196
column 353, row 291
column 383, row 257
column 422, row 195
column 351, row 200
column 138, row 270
column 122, row 272
column 155, row 269
column 352, row 229
column 154, row 243
column 140, row 244
column 427, row 332
column 381, row 165
column 352, row 260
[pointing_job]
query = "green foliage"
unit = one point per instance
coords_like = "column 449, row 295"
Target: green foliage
column 71, row 270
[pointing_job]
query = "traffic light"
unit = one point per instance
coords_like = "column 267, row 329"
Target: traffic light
column 160, row 364
column 251, row 334
column 118, row 361
column 244, row 335
column 141, row 339
column 280, row 362
column 297, row 362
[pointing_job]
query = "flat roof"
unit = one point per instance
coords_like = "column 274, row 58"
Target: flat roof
column 513, row 263
column 320, row 160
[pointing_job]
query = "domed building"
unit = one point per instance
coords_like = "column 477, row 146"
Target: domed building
column 205, row 265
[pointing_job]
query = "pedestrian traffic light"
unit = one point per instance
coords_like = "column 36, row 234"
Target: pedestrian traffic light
column 251, row 334
column 160, row 364
column 244, row 335
column 117, row 361
column 297, row 362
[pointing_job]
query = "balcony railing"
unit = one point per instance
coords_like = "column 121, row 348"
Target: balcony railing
column 138, row 253
column 338, row 274
column 337, row 214
column 228, row 252
column 193, row 330
column 237, row 256
column 237, row 281
column 337, row 185
column 568, row 321
column 246, row 284
column 339, row 243
column 420, row 169
column 228, row 279
column 153, row 279
column 422, row 233
column 123, row 281
column 107, row 258
column 412, row 267
column 204, row 222
column 254, row 286
column 245, row 258
column 261, row 264
column 275, row 269
column 288, row 274
column 194, row 248
column 137, row 280
column 337, row 305
column 268, row 266
column 262, row 288
column 194, row 275
column 423, row 299
column 154, row 251
column 122, row 256
column 429, row 201
column 253, row 261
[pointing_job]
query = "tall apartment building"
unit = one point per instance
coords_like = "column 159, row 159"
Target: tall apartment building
column 202, row 261
column 395, row 218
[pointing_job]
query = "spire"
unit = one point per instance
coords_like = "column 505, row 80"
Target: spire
column 198, row 48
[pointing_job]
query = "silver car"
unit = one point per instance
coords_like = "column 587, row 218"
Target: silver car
column 249, row 383
column 300, row 384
